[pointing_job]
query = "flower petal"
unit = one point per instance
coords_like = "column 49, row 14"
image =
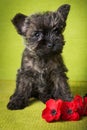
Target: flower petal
column 78, row 100
column 85, row 106
column 68, row 105
column 46, row 114
column 57, row 116
column 51, row 104
column 71, row 117
column 85, row 100
column 59, row 104
column 74, row 117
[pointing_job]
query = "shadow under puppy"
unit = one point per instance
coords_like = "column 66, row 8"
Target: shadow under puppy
column 42, row 73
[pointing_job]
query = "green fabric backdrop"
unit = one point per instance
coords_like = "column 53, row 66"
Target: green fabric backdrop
column 11, row 47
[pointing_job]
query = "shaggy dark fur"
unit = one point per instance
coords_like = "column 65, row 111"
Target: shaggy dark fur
column 42, row 74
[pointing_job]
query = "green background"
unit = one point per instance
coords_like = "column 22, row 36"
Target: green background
column 11, row 48
column 75, row 50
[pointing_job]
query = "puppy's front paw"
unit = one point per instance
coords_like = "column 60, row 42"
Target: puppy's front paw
column 16, row 104
column 12, row 106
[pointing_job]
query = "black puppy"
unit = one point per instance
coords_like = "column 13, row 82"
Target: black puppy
column 42, row 73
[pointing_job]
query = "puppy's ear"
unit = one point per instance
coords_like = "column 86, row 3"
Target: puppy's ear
column 18, row 22
column 63, row 11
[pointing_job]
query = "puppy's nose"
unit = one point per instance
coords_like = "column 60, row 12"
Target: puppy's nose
column 49, row 45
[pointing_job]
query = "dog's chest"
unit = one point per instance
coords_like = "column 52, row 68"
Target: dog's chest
column 45, row 69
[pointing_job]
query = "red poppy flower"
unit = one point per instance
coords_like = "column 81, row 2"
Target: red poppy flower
column 78, row 100
column 85, row 105
column 53, row 110
column 69, row 111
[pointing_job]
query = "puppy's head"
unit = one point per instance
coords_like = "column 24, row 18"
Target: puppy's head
column 43, row 31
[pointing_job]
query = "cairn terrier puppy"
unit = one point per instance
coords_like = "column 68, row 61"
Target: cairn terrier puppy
column 42, row 73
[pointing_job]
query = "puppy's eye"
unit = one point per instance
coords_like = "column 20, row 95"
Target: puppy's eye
column 37, row 34
column 57, row 31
